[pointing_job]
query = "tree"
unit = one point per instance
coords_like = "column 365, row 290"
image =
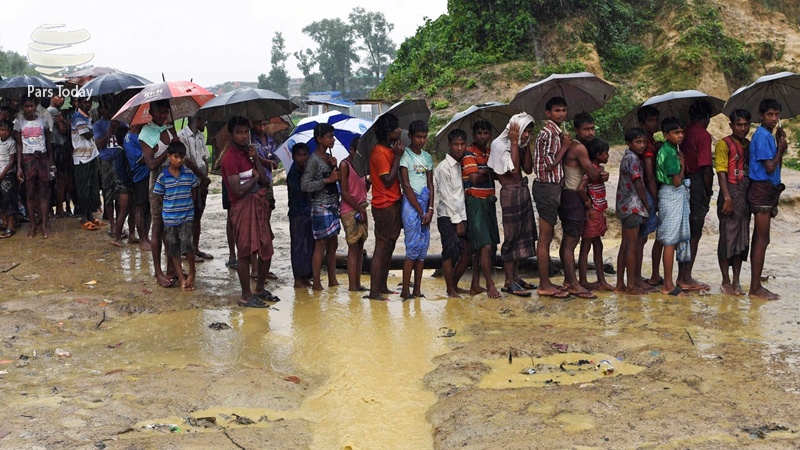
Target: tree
column 335, row 54
column 278, row 78
column 373, row 30
column 306, row 60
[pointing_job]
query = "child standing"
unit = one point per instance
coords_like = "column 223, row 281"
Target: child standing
column 593, row 195
column 673, row 203
column 34, row 154
column 320, row 179
column 300, row 233
column 450, row 211
column 178, row 187
column 354, row 217
column 416, row 175
column 9, row 186
column 631, row 210
column 124, row 186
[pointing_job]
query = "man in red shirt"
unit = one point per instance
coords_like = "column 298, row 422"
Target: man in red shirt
column 384, row 168
column 245, row 179
column 696, row 149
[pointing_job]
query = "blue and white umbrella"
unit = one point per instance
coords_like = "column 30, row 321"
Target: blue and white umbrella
column 345, row 129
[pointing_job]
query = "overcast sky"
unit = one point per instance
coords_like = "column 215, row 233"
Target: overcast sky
column 208, row 41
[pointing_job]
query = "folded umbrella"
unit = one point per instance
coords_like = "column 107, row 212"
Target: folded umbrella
column 496, row 114
column 584, row 92
column 250, row 103
column 406, row 112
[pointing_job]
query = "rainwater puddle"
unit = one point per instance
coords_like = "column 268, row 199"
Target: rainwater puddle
column 371, row 357
column 561, row 368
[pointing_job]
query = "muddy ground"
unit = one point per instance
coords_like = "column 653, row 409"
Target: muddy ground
column 331, row 370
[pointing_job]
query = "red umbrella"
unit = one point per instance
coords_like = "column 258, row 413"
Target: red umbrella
column 185, row 99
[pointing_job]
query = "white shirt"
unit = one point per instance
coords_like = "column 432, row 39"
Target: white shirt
column 196, row 149
column 8, row 150
column 449, row 189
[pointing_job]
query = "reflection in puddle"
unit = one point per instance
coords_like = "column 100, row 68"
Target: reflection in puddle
column 370, row 358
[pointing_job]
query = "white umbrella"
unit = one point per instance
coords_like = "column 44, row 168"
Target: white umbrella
column 783, row 87
column 584, row 92
column 674, row 104
column 345, row 129
column 406, row 112
column 496, row 114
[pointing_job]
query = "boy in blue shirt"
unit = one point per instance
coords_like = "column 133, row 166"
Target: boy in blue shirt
column 766, row 157
column 178, row 187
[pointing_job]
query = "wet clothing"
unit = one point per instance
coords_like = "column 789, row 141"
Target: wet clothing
column 354, row 230
column 83, row 148
column 734, row 228
column 179, row 239
column 32, row 133
column 482, row 220
column 302, row 245
column 667, row 163
column 380, row 163
column 250, row 225
column 762, row 148
column 322, row 193
column 473, row 161
column 87, row 185
column 732, row 157
column 699, row 201
column 573, row 176
column 763, row 196
column 178, row 203
column 388, row 222
column 628, row 201
column 325, row 221
column 500, row 156
column 299, row 201
column 36, row 167
column 418, row 167
column 596, row 225
column 417, row 237
column 696, row 148
column 519, row 226
column 236, row 161
column 449, row 191
column 651, row 224
column 452, row 244
column 548, row 144
column 673, row 219
column 547, row 197
column 356, row 187
column 572, row 212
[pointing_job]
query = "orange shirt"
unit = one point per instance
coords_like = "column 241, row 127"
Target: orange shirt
column 380, row 163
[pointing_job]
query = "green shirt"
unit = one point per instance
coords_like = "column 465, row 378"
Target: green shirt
column 667, row 163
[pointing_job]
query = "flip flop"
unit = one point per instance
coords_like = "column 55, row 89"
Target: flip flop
column 7, row 233
column 560, row 294
column 253, row 302
column 271, row 276
column 204, row 255
column 90, row 226
column 696, row 287
column 99, row 223
column 267, row 296
column 231, row 264
column 657, row 283
column 675, row 292
column 515, row 289
column 525, row 285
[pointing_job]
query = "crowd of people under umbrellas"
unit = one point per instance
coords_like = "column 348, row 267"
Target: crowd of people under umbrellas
column 156, row 180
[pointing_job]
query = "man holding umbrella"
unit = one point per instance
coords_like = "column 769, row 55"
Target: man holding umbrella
column 766, row 157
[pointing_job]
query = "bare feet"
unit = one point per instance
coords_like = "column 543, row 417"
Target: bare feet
column 580, row 291
column 603, row 286
column 377, row 296
column 553, row 291
column 621, row 289
column 404, row 294
column 144, row 245
column 492, row 292
column 727, row 288
column 454, row 294
column 636, row 290
column 317, row 286
column 764, row 293
column 164, row 281
column 738, row 289
column 461, row 291
column 645, row 286
column 693, row 285
column 479, row 290
column 333, row 282
column 118, row 243
column 188, row 283
column 591, row 286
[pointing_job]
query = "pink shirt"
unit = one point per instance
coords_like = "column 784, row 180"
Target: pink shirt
column 356, row 186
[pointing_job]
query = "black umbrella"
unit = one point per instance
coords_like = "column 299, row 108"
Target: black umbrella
column 496, row 114
column 250, row 103
column 113, row 83
column 783, row 87
column 26, row 85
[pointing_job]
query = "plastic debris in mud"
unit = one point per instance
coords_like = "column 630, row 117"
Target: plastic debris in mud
column 60, row 352
column 162, row 427
column 446, row 332
column 219, row 326
column 242, row 420
column 528, row 371
column 605, row 367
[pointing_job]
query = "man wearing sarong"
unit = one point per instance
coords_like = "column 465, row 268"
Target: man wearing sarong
column 483, row 233
column 245, row 179
column 572, row 210
column 548, row 173
column 696, row 149
column 766, row 157
column 509, row 157
column 86, row 166
column 730, row 161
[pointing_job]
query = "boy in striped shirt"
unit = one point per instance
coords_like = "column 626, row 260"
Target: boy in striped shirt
column 178, row 185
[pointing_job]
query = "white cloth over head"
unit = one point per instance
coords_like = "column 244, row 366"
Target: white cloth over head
column 500, row 154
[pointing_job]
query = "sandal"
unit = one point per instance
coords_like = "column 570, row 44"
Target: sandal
column 231, row 264
column 90, row 226
column 525, row 285
column 7, row 233
column 271, row 276
column 515, row 289
column 204, row 255
column 253, row 302
column 99, row 223
column 267, row 296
